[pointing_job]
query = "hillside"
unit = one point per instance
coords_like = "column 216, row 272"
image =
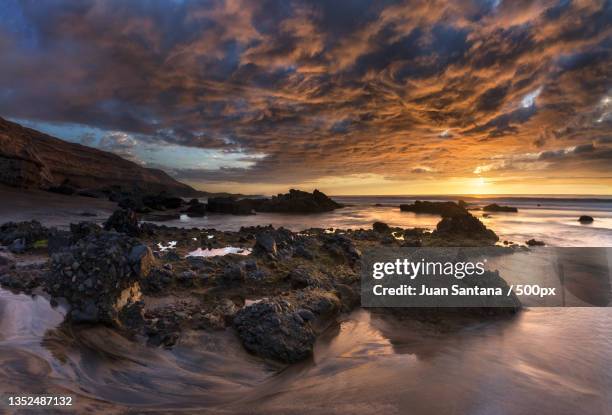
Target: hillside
column 31, row 159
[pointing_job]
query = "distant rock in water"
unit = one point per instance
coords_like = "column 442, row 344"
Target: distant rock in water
column 230, row 205
column 494, row 207
column 296, row 201
column 444, row 209
column 464, row 228
column 585, row 219
column 31, row 159
column 535, row 242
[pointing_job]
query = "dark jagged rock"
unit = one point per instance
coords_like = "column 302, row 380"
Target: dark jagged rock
column 123, row 221
column 265, row 243
column 99, row 276
column 145, row 203
column 196, row 209
column 60, row 240
column 444, row 209
column 535, row 242
column 381, row 227
column 274, row 243
column 297, row 201
column 162, row 201
column 465, row 227
column 158, row 280
column 341, row 246
column 220, row 317
column 494, row 207
column 585, row 219
column 302, row 251
column 274, row 329
column 233, row 274
column 21, row 236
column 230, row 205
column 304, row 278
column 83, row 229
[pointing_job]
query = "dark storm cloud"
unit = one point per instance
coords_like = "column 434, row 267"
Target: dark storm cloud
column 320, row 88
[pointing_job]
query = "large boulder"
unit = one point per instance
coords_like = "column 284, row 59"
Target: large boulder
column 283, row 328
column 465, row 227
column 585, row 219
column 444, row 209
column 99, row 276
column 123, row 221
column 274, row 329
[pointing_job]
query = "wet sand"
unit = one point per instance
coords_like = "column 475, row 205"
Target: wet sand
column 556, row 360
column 50, row 209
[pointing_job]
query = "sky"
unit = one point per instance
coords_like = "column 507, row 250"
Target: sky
column 348, row 96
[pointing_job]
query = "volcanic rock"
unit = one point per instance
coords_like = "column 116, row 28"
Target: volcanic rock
column 273, row 328
column 99, row 276
column 230, row 205
column 464, row 226
column 297, row 201
column 123, row 221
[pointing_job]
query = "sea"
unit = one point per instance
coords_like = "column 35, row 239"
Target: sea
column 548, row 360
column 553, row 220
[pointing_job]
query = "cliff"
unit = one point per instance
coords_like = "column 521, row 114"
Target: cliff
column 31, row 159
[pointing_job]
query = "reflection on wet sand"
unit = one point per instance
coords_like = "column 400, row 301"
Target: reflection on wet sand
column 365, row 364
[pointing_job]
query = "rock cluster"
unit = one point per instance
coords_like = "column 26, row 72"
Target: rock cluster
column 296, row 201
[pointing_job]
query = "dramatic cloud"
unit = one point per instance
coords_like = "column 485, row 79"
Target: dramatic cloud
column 280, row 92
